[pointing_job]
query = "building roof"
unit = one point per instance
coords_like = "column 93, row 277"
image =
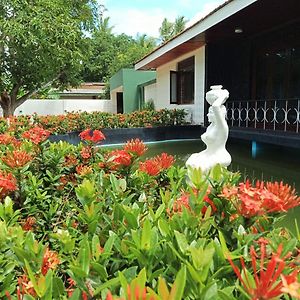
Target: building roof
column 192, row 37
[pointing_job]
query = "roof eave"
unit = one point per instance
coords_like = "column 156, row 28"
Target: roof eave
column 226, row 10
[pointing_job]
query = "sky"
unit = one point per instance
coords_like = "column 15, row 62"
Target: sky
column 134, row 17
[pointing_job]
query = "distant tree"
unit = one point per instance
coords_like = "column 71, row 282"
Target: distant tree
column 108, row 52
column 41, row 44
column 170, row 29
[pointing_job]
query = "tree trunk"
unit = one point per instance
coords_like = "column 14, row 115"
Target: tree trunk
column 7, row 104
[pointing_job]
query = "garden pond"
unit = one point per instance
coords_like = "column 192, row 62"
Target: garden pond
column 264, row 162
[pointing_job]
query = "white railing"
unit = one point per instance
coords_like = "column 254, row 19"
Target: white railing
column 277, row 115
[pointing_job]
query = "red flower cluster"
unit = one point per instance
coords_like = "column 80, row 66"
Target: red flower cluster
column 29, row 223
column 120, row 158
column 6, row 139
column 17, row 159
column 36, row 135
column 261, row 199
column 136, row 147
column 86, row 152
column 25, row 287
column 8, row 183
column 181, row 202
column 50, row 261
column 95, row 137
column 267, row 283
column 157, row 164
column 83, row 170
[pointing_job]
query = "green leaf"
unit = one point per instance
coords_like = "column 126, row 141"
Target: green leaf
column 100, row 269
column 109, row 243
column 159, row 211
column 146, row 235
column 32, row 278
column 85, row 192
column 163, row 227
column 49, row 286
column 76, row 295
column 211, row 293
column 58, row 287
column 108, row 284
column 163, row 290
column 84, row 255
column 181, row 241
column 178, row 286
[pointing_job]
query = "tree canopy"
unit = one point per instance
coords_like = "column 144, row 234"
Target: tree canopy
column 170, row 29
column 41, row 43
column 109, row 52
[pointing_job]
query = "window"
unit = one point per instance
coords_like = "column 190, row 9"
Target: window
column 182, row 82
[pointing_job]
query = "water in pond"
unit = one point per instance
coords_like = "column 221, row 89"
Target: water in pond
column 271, row 163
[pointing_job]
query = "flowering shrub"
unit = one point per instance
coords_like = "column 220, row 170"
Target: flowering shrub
column 83, row 222
column 80, row 121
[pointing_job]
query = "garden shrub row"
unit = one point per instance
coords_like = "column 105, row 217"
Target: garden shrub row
column 61, row 124
column 84, row 222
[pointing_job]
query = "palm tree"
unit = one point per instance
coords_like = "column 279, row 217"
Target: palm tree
column 169, row 29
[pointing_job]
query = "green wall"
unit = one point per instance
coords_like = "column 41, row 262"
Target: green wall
column 130, row 79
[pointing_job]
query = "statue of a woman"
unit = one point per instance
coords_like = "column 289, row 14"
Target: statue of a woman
column 216, row 134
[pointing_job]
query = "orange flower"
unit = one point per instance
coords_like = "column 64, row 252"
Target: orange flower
column 284, row 197
column 157, row 164
column 181, row 202
column 25, row 287
column 6, row 139
column 120, row 158
column 86, row 152
column 150, row 167
column 28, row 224
column 136, row 147
column 267, row 283
column 164, row 160
column 17, row 158
column 70, row 160
column 96, row 137
column 83, row 170
column 50, row 261
column 36, row 135
column 290, row 286
column 262, row 198
column 8, row 183
column 133, row 293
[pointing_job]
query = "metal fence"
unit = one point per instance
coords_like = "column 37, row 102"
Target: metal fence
column 277, row 115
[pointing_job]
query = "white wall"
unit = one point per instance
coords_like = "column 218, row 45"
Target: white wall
column 150, row 92
column 59, row 107
column 196, row 110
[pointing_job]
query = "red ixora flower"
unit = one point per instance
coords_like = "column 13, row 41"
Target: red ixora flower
column 120, row 158
column 262, row 198
column 36, row 134
column 157, row 164
column 8, row 183
column 50, row 261
column 16, row 158
column 25, row 287
column 95, row 137
column 267, row 283
column 136, row 147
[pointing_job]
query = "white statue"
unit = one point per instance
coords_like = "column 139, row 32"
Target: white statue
column 216, row 134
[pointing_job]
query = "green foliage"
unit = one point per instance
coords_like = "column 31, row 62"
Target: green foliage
column 80, row 121
column 115, row 230
column 41, row 44
column 170, row 29
column 108, row 53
